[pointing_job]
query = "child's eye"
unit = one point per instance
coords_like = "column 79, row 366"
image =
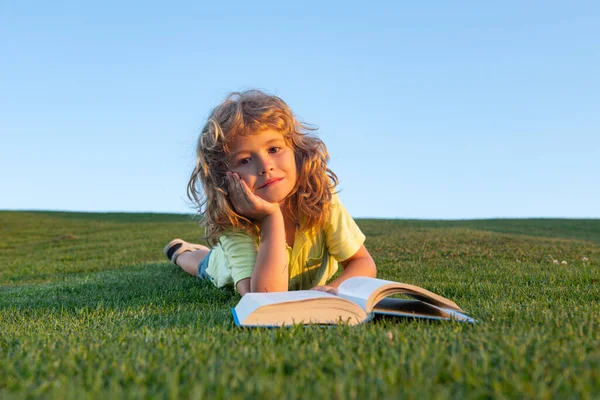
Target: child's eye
column 244, row 161
column 274, row 149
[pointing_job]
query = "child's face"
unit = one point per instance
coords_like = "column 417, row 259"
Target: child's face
column 266, row 163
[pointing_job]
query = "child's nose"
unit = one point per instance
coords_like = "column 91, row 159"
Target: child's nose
column 265, row 170
column 265, row 166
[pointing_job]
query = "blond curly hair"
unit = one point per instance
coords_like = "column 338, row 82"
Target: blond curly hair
column 247, row 113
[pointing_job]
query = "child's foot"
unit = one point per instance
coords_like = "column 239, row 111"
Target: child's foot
column 176, row 247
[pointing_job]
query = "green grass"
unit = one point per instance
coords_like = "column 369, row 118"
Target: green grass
column 89, row 308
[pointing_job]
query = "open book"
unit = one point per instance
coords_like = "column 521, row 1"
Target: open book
column 357, row 301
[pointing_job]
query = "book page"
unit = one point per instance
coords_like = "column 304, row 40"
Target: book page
column 298, row 307
column 418, row 309
column 360, row 287
column 405, row 307
column 252, row 301
column 369, row 291
column 262, row 299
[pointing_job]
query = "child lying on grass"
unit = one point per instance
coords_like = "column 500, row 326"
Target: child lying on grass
column 266, row 197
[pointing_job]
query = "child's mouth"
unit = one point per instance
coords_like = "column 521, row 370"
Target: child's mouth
column 270, row 182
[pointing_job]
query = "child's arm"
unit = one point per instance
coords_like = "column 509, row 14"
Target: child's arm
column 360, row 264
column 271, row 268
column 243, row 286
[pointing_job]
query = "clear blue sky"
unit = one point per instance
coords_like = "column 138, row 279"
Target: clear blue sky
column 429, row 109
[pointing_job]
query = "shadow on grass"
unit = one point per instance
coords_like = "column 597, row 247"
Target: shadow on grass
column 389, row 319
column 146, row 294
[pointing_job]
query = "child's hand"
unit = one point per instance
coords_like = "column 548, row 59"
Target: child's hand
column 247, row 203
column 326, row 289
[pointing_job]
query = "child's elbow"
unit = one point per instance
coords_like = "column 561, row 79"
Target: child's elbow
column 373, row 270
column 243, row 286
column 369, row 266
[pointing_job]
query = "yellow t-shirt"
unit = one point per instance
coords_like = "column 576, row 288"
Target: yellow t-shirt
column 312, row 260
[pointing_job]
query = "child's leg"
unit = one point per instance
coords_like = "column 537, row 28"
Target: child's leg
column 190, row 260
column 186, row 255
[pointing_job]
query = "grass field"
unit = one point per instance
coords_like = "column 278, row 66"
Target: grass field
column 89, row 308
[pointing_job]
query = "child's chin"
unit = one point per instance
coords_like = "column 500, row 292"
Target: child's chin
column 274, row 198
